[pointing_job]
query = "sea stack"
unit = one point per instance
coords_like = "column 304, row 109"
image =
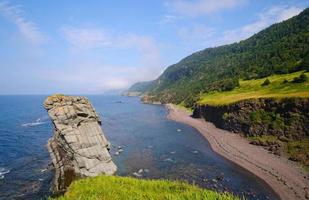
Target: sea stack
column 78, row 147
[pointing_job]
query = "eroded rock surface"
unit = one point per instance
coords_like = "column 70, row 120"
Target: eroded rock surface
column 78, row 147
column 265, row 116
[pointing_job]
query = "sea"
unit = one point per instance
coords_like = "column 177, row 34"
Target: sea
column 153, row 147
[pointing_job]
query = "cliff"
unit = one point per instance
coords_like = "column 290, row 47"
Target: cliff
column 265, row 116
column 78, row 147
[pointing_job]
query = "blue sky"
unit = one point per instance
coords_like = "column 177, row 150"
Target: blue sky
column 96, row 46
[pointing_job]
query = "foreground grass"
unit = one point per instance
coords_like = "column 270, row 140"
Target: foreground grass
column 125, row 188
column 252, row 89
column 296, row 150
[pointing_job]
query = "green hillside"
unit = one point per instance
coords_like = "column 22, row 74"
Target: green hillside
column 125, row 188
column 280, row 49
column 138, row 88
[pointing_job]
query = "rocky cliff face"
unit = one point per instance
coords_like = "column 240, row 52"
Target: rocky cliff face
column 78, row 147
column 287, row 117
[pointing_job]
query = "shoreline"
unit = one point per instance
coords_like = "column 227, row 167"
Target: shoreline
column 288, row 180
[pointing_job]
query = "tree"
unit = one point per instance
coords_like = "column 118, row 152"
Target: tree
column 266, row 82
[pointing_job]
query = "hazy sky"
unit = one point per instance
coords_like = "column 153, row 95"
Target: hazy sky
column 94, row 46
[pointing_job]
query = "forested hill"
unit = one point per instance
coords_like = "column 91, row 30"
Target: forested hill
column 140, row 86
column 281, row 48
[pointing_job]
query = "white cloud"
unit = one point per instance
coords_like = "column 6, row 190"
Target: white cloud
column 86, row 38
column 196, row 33
column 168, row 19
column 273, row 15
column 194, row 8
column 100, row 77
column 96, row 38
column 147, row 47
column 93, row 77
column 27, row 29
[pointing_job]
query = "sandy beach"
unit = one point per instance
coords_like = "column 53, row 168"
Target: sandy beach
column 287, row 179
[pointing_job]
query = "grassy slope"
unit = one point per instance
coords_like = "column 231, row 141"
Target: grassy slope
column 252, row 89
column 125, row 188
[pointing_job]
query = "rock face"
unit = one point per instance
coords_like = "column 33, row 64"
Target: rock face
column 78, row 147
column 287, row 117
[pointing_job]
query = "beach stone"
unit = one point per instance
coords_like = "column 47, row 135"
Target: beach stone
column 137, row 174
column 78, row 147
column 219, row 178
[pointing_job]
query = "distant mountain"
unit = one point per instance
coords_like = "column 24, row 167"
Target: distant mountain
column 281, row 48
column 138, row 88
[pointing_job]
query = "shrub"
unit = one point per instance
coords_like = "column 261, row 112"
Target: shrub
column 302, row 78
column 225, row 116
column 266, row 82
column 190, row 101
column 227, row 84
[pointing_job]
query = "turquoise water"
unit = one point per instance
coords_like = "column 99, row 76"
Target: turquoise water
column 153, row 147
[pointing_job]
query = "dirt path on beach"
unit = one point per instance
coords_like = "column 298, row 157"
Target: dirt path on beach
column 287, row 179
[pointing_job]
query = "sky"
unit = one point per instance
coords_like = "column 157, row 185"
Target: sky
column 101, row 46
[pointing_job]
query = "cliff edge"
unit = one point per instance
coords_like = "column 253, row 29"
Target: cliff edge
column 78, row 147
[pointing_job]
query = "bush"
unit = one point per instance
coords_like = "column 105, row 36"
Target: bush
column 285, row 81
column 190, row 101
column 227, row 84
column 225, row 116
column 302, row 78
column 266, row 82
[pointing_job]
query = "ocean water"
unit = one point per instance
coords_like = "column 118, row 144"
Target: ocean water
column 153, row 147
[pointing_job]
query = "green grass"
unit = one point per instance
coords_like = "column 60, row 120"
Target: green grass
column 253, row 89
column 125, row 188
column 183, row 107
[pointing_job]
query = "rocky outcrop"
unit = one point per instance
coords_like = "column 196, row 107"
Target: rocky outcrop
column 78, row 147
column 253, row 117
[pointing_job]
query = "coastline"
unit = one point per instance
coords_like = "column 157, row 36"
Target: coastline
column 288, row 180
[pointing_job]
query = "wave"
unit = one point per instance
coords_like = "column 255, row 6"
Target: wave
column 3, row 171
column 37, row 122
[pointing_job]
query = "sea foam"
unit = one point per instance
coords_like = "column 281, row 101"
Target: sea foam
column 3, row 171
column 37, row 122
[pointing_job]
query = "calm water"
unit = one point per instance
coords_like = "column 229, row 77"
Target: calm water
column 160, row 147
